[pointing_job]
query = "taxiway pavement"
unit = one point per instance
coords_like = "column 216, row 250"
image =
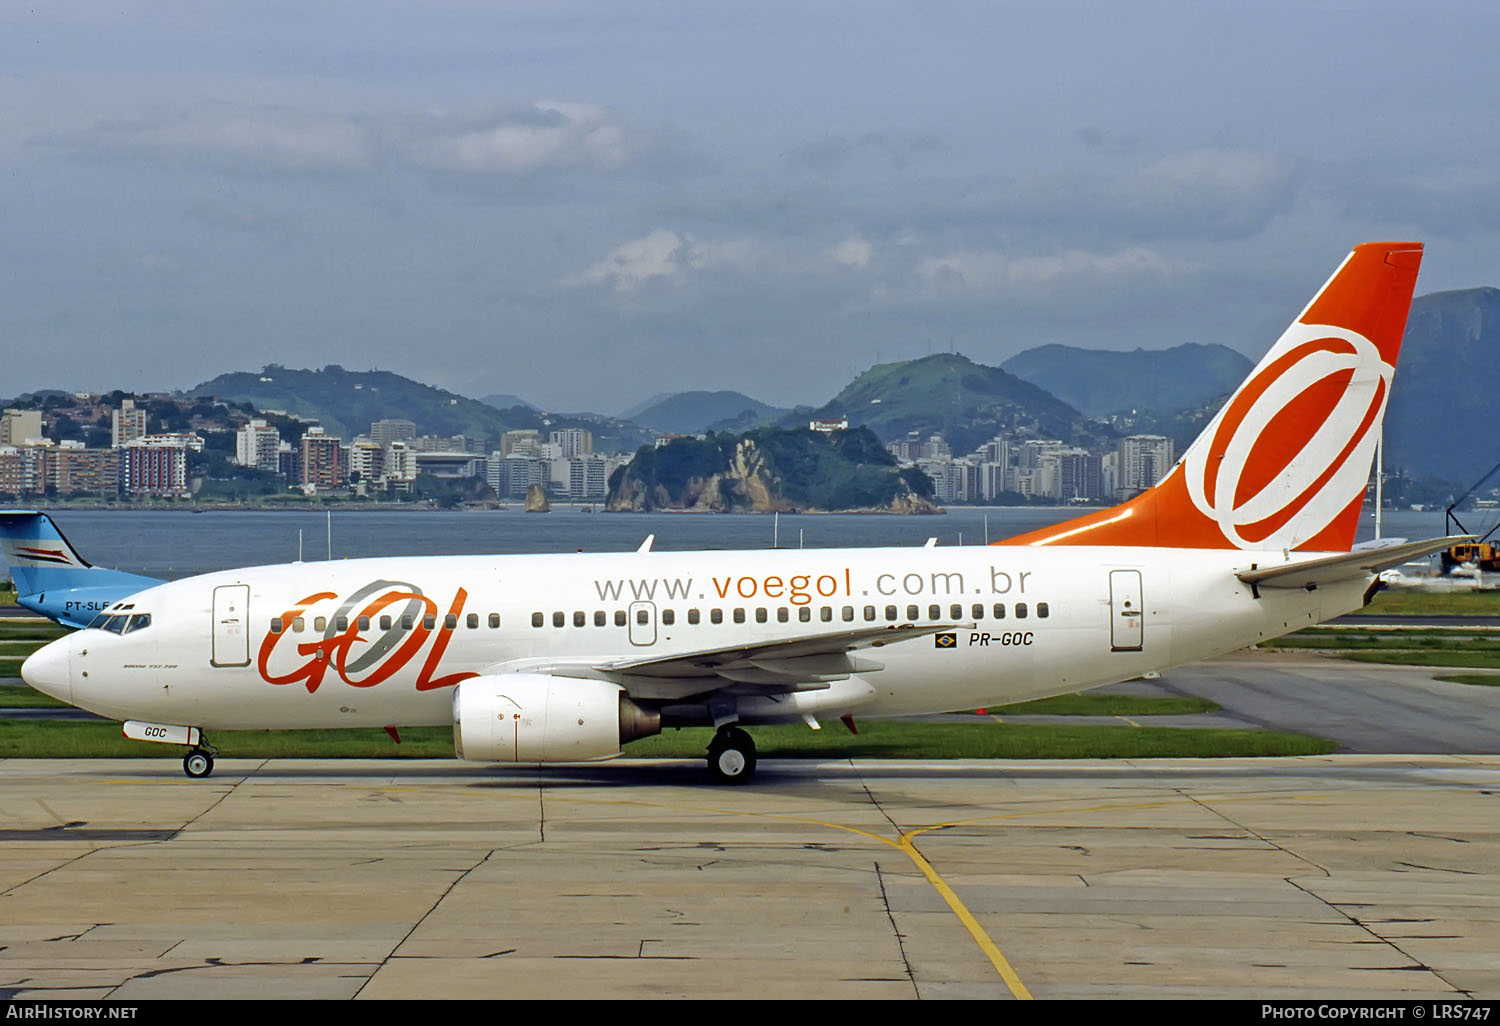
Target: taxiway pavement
column 1342, row 876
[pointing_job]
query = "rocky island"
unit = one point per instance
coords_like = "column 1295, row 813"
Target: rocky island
column 771, row 471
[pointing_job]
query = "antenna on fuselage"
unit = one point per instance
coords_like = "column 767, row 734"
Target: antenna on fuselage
column 646, row 545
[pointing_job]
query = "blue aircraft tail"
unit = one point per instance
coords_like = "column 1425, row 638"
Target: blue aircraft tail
column 52, row 579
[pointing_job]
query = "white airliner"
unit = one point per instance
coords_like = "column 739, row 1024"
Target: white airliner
column 562, row 658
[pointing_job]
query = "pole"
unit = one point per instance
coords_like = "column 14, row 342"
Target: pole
column 1379, row 478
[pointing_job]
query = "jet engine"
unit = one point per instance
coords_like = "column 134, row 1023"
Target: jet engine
column 536, row 717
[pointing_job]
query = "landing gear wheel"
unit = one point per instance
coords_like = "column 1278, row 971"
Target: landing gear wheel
column 198, row 763
column 731, row 756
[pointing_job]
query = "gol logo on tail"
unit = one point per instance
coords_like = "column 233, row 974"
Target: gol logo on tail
column 362, row 661
column 1267, row 478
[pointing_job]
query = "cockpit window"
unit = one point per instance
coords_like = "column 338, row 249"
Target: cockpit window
column 138, row 621
column 100, row 620
column 115, row 624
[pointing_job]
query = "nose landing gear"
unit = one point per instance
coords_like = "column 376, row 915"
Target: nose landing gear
column 199, row 762
column 731, row 756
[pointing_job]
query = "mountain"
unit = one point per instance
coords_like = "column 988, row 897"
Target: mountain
column 347, row 402
column 689, row 413
column 506, row 401
column 966, row 402
column 1101, row 382
column 1444, row 399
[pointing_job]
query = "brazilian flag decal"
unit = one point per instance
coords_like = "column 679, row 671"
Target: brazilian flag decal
column 949, row 640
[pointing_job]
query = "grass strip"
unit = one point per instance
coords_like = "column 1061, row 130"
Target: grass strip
column 1393, row 642
column 1414, row 602
column 21, row 697
column 1477, row 660
column 1489, row 680
column 54, row 739
column 1107, row 705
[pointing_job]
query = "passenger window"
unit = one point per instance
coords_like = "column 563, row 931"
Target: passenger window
column 472, row 621
column 999, row 610
column 537, row 619
column 559, row 618
column 1020, row 610
column 891, row 614
column 429, row 622
column 320, row 624
column 668, row 617
column 978, row 611
column 955, row 612
column 716, row 616
column 869, row 613
column 406, row 622
column 826, row 614
column 579, row 618
column 642, row 616
column 600, row 619
column 848, row 613
column 804, row 614
column 341, row 624
column 783, row 615
column 761, row 616
column 913, row 614
column 385, row 623
column 494, row 621
column 276, row 625
column 619, row 618
column 298, row 625
column 692, row 616
column 934, row 612
column 1042, row 611
column 739, row 616
column 450, row 621
column 364, row 623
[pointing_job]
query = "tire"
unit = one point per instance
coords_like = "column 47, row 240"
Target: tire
column 731, row 757
column 198, row 764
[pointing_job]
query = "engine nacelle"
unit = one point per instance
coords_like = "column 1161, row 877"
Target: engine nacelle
column 536, row 717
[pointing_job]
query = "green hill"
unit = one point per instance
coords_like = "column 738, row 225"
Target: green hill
column 346, row 403
column 966, row 402
column 1100, row 382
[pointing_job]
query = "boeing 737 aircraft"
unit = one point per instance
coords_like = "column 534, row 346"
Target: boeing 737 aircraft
column 561, row 658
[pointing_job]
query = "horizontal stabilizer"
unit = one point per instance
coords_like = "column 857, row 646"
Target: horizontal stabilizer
column 1309, row 573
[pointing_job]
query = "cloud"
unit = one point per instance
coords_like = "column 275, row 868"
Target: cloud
column 666, row 254
column 253, row 141
column 990, row 270
column 834, row 153
column 854, row 251
column 552, row 135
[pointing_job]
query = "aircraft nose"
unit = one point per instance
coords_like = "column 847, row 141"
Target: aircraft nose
column 47, row 670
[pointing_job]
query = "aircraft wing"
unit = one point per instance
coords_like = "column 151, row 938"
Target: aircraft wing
column 1309, row 573
column 774, row 665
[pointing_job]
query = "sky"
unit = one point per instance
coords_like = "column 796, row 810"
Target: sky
column 588, row 204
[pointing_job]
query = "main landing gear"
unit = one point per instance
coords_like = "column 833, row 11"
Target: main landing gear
column 731, row 756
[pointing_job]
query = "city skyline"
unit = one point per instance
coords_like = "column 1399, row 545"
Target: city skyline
column 479, row 197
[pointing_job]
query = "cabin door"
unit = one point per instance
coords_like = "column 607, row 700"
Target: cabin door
column 231, row 625
column 1126, row 612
